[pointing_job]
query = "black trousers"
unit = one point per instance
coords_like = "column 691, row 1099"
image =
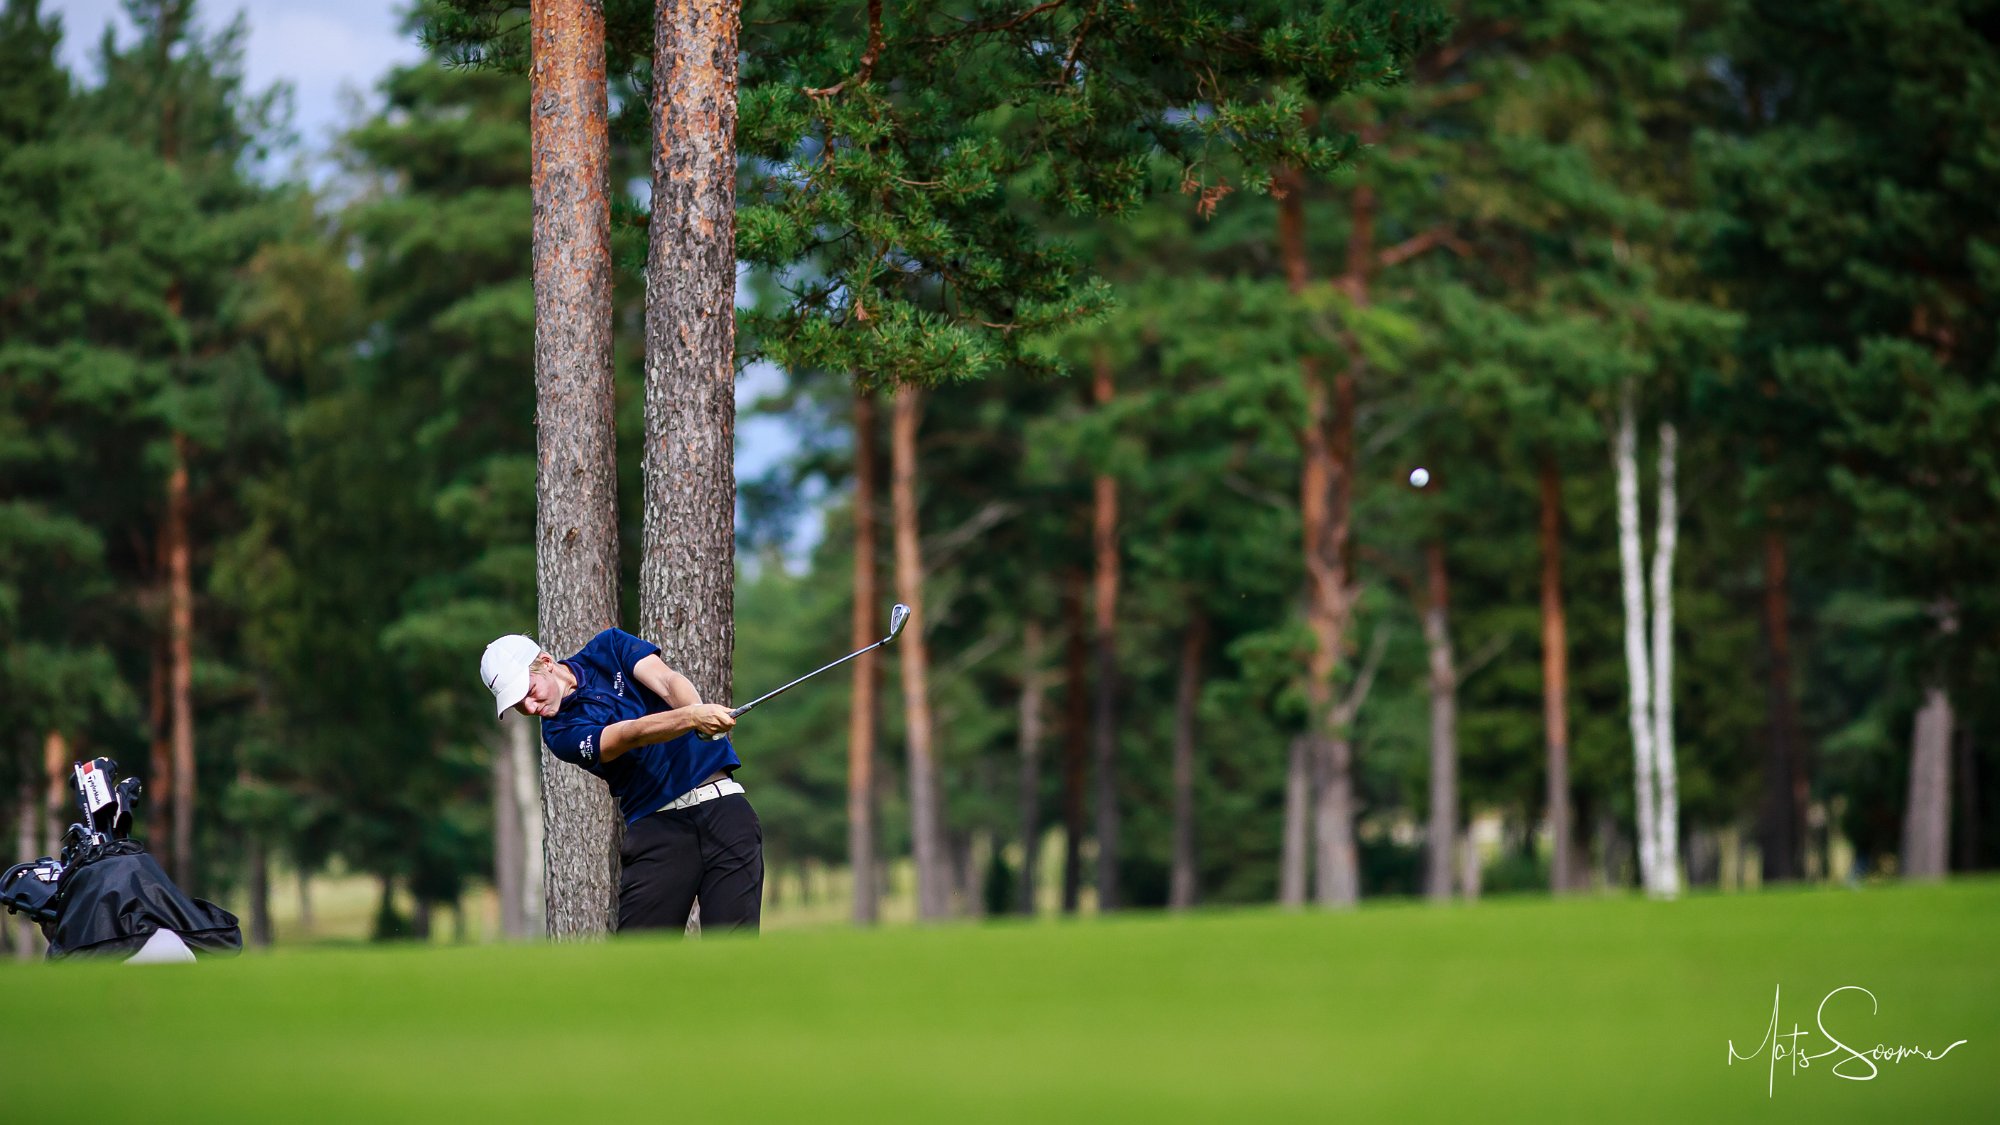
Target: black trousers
column 713, row 851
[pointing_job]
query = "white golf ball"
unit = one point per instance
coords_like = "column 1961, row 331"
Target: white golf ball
column 1420, row 477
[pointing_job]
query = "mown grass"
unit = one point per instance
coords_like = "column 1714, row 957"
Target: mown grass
column 1590, row 1010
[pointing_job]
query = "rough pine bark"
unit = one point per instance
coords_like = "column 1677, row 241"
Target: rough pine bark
column 1442, row 847
column 1667, row 821
column 933, row 861
column 1187, row 696
column 1638, row 667
column 1029, row 800
column 687, row 574
column 1927, row 814
column 1076, row 718
column 1782, row 827
column 576, row 480
column 1564, row 872
column 866, row 630
column 1104, row 711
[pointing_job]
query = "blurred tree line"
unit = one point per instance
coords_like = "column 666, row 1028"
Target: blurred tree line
column 267, row 468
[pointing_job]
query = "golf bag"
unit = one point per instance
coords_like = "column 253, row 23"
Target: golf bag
column 105, row 895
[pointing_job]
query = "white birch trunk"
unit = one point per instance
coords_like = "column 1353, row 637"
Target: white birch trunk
column 1638, row 672
column 1666, row 821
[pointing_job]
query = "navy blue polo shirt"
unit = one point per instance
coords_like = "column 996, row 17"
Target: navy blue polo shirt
column 644, row 777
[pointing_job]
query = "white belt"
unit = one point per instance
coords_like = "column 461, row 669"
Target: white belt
column 700, row 793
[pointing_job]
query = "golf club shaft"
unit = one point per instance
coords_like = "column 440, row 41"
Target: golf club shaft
column 809, row 675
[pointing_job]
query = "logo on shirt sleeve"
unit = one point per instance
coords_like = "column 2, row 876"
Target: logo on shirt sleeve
column 584, row 748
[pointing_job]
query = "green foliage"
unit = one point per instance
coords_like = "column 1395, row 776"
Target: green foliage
column 1790, row 250
column 1855, row 228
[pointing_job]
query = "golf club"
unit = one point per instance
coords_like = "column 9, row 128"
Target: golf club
column 899, row 615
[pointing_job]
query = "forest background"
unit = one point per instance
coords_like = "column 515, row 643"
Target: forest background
column 1687, row 309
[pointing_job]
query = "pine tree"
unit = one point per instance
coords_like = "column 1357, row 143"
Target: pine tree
column 576, row 501
column 1860, row 233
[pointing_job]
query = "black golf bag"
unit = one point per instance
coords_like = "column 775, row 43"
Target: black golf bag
column 105, row 895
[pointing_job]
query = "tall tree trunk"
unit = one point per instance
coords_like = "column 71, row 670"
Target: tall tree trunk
column 1966, row 786
column 1443, row 834
column 1104, row 713
column 1296, row 846
column 1187, row 697
column 576, row 481
column 260, row 890
column 526, row 747
column 687, row 575
column 1564, row 872
column 58, row 805
column 861, row 718
column 305, row 902
column 180, row 662
column 1927, row 815
column 1638, row 668
column 934, row 872
column 508, row 865
column 1030, row 799
column 175, row 552
column 27, row 845
column 1076, row 718
column 1315, row 494
column 1337, row 866
column 1667, row 822
column 1782, row 832
column 1326, row 491
column 160, row 761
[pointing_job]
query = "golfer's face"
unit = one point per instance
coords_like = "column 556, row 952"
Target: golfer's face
column 544, row 695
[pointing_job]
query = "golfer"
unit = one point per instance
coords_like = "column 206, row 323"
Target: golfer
column 617, row 710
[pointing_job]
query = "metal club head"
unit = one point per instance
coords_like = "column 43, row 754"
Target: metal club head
column 899, row 615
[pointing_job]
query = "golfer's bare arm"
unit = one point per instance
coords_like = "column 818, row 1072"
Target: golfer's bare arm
column 666, row 683
column 659, row 726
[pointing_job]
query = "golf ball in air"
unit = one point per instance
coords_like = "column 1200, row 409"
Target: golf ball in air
column 1420, row 477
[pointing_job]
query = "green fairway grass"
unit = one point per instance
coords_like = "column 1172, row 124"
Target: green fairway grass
column 1598, row 1010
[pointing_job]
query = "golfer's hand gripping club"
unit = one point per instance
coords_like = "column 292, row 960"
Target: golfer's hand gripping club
column 899, row 615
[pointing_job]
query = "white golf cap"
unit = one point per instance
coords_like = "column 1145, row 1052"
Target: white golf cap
column 504, row 669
